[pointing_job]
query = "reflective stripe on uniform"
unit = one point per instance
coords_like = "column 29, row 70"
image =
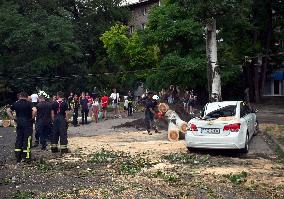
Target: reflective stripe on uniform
column 18, row 150
column 63, row 146
column 28, row 151
column 53, row 145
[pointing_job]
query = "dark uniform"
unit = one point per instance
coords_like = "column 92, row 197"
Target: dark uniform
column 85, row 110
column 43, row 122
column 149, row 116
column 24, row 129
column 75, row 106
column 59, row 127
column 130, row 105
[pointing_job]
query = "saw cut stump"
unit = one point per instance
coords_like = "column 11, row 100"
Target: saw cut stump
column 6, row 123
column 173, row 132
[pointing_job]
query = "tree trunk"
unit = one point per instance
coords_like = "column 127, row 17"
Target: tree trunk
column 213, row 71
column 267, row 46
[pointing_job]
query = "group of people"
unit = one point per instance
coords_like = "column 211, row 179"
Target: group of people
column 50, row 115
column 96, row 107
column 50, row 118
column 50, row 122
column 174, row 95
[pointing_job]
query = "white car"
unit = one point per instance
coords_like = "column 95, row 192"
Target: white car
column 223, row 125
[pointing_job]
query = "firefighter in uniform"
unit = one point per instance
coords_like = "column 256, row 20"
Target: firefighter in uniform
column 43, row 121
column 25, row 113
column 59, row 108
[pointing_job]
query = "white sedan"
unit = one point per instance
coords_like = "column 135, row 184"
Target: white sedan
column 223, row 125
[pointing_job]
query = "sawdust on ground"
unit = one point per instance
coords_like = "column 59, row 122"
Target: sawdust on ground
column 129, row 142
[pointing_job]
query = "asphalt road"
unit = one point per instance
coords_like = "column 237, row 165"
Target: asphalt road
column 258, row 146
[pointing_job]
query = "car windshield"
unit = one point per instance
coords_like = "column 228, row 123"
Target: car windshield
column 227, row 111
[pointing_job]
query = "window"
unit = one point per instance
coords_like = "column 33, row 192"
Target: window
column 227, row 111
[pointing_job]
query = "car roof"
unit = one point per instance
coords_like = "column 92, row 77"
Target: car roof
column 212, row 106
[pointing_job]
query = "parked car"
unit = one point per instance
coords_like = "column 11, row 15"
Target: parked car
column 223, row 125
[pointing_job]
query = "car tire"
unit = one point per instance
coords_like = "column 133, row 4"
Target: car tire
column 246, row 149
column 190, row 149
column 256, row 128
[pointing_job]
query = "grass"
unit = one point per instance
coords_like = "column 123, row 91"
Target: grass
column 237, row 178
column 43, row 166
column 165, row 176
column 23, row 195
column 123, row 162
column 6, row 181
column 133, row 165
column 105, row 157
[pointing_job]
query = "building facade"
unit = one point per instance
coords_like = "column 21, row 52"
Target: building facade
column 139, row 14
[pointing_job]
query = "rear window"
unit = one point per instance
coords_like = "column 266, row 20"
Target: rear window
column 226, row 111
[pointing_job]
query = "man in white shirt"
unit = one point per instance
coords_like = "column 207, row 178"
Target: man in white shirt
column 115, row 103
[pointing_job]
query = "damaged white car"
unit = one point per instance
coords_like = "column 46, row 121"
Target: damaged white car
column 223, row 125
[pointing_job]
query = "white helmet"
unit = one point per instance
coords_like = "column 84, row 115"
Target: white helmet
column 156, row 97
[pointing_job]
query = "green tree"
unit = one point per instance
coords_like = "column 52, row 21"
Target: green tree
column 128, row 51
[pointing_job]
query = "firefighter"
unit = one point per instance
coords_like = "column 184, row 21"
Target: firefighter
column 43, row 120
column 25, row 113
column 59, row 108
column 150, row 105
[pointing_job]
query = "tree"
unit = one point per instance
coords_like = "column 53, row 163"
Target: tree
column 128, row 51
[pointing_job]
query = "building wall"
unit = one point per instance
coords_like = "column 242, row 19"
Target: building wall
column 139, row 14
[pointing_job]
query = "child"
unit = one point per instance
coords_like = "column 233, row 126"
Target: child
column 126, row 106
column 95, row 109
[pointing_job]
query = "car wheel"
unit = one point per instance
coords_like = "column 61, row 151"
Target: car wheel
column 190, row 149
column 256, row 128
column 246, row 149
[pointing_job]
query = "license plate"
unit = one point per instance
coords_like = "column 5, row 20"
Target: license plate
column 210, row 131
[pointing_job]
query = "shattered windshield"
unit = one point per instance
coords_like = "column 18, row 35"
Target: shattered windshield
column 227, row 111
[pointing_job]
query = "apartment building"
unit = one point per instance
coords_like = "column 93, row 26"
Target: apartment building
column 139, row 14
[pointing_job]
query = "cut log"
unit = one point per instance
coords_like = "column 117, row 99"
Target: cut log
column 6, row 123
column 163, row 107
column 173, row 117
column 173, row 132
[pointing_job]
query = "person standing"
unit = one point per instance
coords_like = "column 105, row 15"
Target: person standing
column 104, row 102
column 90, row 102
column 95, row 109
column 59, row 133
column 75, row 108
column 44, row 123
column 115, row 103
column 149, row 112
column 69, row 100
column 34, row 99
column 130, row 103
column 25, row 113
column 85, row 109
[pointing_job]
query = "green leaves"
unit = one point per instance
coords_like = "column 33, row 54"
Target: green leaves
column 129, row 51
